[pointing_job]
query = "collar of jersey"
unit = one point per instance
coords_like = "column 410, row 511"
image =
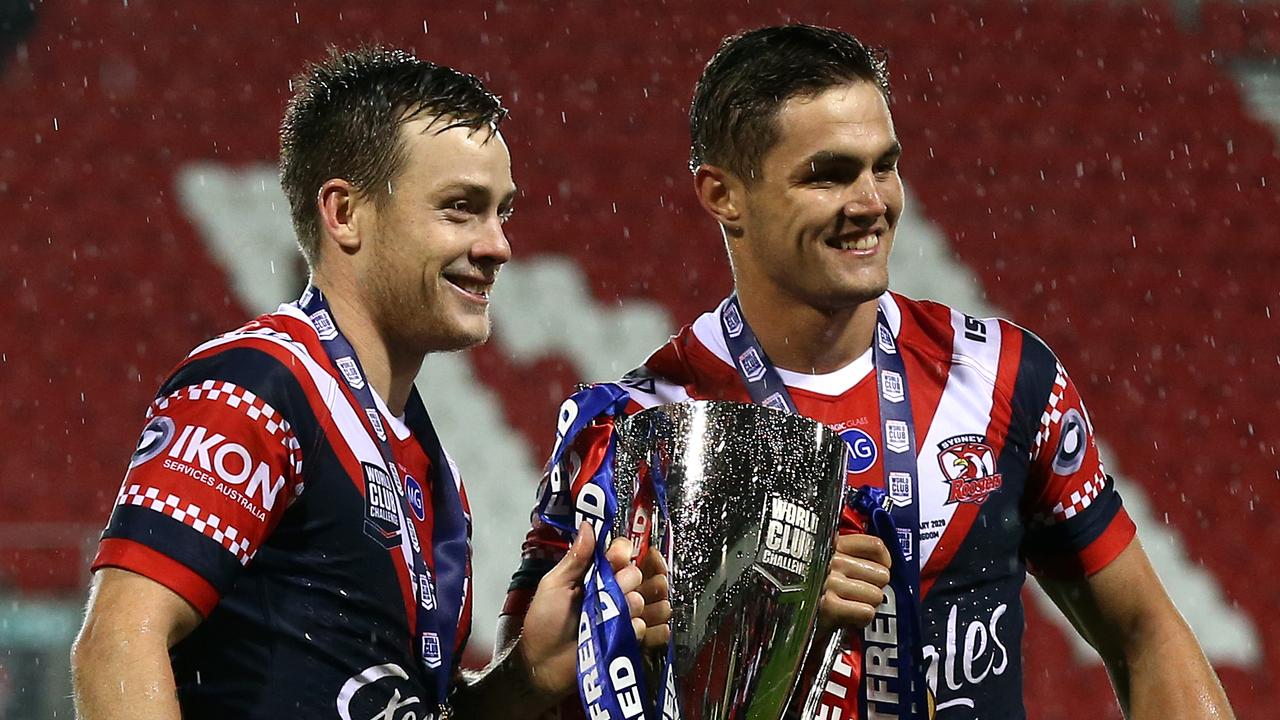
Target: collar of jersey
column 833, row 384
column 396, row 422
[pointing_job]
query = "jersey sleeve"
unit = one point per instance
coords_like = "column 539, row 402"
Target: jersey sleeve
column 1076, row 521
column 212, row 473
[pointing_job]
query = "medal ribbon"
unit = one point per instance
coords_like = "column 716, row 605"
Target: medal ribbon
column 439, row 623
column 611, row 672
column 896, row 521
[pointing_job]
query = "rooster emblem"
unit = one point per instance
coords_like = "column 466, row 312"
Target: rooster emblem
column 968, row 464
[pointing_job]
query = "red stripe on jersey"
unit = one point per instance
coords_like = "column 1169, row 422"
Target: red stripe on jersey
column 931, row 327
column 997, row 431
column 158, row 567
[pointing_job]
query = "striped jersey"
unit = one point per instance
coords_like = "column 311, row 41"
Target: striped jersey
column 257, row 493
column 1009, row 480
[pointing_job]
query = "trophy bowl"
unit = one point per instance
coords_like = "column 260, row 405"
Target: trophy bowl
column 753, row 498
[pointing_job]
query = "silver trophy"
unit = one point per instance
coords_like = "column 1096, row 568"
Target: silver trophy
column 754, row 497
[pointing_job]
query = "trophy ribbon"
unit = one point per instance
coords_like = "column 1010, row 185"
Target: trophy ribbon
column 611, row 673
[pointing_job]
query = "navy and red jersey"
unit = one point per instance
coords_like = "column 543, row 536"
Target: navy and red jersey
column 1009, row 480
column 258, row 494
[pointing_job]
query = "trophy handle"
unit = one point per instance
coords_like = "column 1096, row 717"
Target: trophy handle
column 829, row 655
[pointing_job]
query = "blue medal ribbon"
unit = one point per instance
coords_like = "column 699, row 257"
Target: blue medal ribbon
column 611, row 674
column 437, row 618
column 894, row 517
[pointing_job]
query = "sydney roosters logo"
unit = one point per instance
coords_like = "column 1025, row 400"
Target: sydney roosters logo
column 969, row 465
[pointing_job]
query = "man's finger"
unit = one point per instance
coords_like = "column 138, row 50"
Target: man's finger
column 868, row 547
column 854, row 590
column 658, row 613
column 837, row 611
column 655, row 588
column 656, row 637
column 653, row 563
column 619, row 553
column 860, row 569
column 628, row 579
column 574, row 564
column 635, row 604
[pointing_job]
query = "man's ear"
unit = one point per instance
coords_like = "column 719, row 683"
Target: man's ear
column 721, row 194
column 338, row 202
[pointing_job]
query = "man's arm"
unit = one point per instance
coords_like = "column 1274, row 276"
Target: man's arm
column 120, row 660
column 1155, row 663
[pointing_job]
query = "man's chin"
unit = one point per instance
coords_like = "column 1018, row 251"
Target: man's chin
column 459, row 337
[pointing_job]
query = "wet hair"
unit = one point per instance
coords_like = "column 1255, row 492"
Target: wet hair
column 732, row 120
column 344, row 121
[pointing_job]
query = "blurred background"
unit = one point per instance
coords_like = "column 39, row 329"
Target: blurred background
column 1104, row 173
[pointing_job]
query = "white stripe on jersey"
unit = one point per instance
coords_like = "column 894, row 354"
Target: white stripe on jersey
column 649, row 390
column 892, row 313
column 345, row 416
column 967, row 397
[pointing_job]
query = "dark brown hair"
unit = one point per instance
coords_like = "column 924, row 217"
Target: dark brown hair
column 736, row 101
column 344, row 122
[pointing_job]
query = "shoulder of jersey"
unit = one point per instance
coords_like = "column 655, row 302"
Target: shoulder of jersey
column 663, row 376
column 925, row 325
column 277, row 353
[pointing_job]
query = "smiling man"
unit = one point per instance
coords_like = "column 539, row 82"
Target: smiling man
column 291, row 540
column 970, row 427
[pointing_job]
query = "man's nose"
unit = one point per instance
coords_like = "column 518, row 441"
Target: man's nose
column 865, row 200
column 493, row 248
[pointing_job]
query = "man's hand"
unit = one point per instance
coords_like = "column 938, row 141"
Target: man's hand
column 654, row 630
column 855, row 583
column 549, row 643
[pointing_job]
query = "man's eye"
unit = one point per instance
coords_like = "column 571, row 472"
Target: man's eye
column 460, row 206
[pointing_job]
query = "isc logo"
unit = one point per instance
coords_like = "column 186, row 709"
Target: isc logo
column 862, row 450
column 227, row 461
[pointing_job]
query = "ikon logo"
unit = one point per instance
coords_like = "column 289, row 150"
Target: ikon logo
column 227, row 461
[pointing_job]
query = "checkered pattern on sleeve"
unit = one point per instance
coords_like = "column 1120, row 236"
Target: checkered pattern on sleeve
column 253, row 406
column 1077, row 503
column 191, row 515
column 1052, row 411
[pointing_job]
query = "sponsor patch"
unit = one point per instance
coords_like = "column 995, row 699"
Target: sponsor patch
column 752, row 365
column 431, row 650
column 862, row 450
column 228, row 467
column 897, row 436
column 900, row 489
column 350, row 371
column 904, row 539
column 413, row 490
column 787, row 542
column 1073, row 442
column 733, row 320
column 885, row 339
column 969, row 465
column 375, row 419
column 427, row 590
column 891, row 386
column 775, row 401
column 323, row 323
column 381, row 521
column 156, row 436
